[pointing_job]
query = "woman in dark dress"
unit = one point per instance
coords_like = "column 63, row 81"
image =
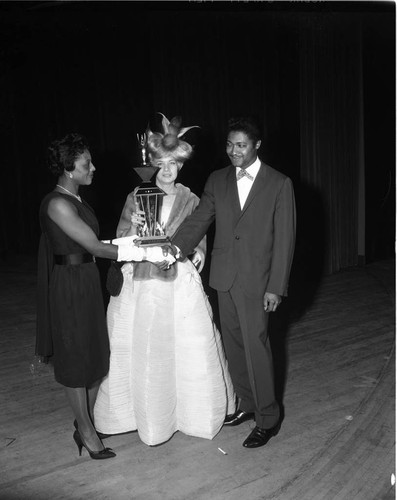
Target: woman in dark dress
column 71, row 324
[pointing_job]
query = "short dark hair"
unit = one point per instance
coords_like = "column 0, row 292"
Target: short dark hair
column 247, row 124
column 63, row 153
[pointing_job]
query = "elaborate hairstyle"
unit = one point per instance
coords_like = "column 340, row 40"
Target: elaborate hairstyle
column 246, row 124
column 169, row 143
column 63, row 153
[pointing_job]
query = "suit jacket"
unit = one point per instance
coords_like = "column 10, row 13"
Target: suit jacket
column 254, row 245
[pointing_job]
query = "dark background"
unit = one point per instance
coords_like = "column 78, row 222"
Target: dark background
column 319, row 75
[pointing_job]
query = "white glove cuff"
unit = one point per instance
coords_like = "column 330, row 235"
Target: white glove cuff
column 127, row 253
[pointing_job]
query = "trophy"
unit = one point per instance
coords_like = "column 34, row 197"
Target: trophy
column 148, row 198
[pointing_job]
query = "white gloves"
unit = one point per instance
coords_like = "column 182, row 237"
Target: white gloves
column 128, row 251
column 155, row 254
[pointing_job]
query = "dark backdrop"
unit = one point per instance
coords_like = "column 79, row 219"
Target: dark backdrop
column 319, row 75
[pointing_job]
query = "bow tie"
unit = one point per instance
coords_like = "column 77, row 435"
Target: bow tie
column 243, row 173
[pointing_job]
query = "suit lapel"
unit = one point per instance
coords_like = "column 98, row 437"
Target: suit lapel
column 232, row 193
column 257, row 187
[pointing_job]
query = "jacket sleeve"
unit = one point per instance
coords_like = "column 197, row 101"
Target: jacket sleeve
column 193, row 229
column 284, row 240
column 201, row 247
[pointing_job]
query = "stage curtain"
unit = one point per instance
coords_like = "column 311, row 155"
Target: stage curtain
column 106, row 76
column 331, row 131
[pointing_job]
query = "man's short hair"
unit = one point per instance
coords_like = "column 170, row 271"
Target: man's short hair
column 246, row 124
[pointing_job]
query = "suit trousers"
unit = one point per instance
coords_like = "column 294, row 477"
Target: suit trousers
column 245, row 336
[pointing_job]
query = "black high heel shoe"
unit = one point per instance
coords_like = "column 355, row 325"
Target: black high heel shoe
column 100, row 435
column 96, row 455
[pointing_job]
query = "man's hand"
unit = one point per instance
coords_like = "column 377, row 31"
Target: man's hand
column 174, row 251
column 271, row 301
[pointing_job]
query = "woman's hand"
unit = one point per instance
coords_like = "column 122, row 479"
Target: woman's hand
column 138, row 218
column 160, row 256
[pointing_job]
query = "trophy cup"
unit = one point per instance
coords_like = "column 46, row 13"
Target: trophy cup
column 148, row 198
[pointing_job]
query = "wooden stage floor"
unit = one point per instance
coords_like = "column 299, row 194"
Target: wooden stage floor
column 335, row 365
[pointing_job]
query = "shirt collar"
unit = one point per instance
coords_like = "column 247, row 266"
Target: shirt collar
column 252, row 169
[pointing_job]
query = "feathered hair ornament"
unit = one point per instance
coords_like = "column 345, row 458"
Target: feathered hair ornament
column 169, row 143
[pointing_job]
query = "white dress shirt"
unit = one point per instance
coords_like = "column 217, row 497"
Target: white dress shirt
column 244, row 185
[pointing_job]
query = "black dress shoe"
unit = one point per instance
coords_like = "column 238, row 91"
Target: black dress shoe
column 259, row 437
column 238, row 418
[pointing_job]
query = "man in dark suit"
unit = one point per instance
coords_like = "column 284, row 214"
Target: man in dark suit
column 253, row 208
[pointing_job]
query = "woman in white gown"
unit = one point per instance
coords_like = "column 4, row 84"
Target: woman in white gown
column 167, row 366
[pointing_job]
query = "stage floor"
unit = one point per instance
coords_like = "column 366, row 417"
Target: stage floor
column 335, row 366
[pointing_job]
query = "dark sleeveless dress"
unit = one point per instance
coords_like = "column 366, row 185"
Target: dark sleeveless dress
column 71, row 321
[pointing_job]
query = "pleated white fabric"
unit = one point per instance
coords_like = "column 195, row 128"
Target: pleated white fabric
column 167, row 366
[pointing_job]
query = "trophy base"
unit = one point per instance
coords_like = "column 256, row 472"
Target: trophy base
column 152, row 241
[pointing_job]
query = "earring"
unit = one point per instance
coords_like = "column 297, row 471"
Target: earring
column 71, row 176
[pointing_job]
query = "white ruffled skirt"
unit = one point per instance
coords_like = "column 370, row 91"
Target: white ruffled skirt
column 167, row 365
